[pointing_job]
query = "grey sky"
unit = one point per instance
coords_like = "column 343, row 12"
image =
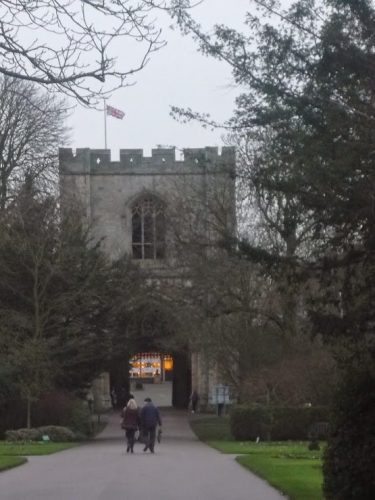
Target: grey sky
column 176, row 75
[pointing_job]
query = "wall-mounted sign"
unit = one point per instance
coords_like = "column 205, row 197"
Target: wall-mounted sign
column 220, row 395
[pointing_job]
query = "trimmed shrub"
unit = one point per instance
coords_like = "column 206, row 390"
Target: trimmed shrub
column 80, row 419
column 58, row 433
column 296, row 423
column 248, row 423
column 54, row 432
column 23, row 435
column 314, row 445
column 276, row 423
column 211, row 428
column 349, row 459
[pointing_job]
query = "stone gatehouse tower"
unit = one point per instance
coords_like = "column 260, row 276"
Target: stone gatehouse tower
column 125, row 202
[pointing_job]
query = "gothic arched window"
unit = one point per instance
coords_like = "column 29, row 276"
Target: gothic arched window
column 148, row 228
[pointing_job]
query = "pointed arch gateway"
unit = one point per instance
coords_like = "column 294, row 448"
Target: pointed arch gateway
column 148, row 228
column 155, row 345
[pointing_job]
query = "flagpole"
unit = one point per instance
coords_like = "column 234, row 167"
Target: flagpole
column 105, row 122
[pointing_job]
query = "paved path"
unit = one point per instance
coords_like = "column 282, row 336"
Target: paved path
column 182, row 468
column 161, row 394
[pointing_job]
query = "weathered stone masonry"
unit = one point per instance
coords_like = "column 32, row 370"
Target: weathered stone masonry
column 107, row 190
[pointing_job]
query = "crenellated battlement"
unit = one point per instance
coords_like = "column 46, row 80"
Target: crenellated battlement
column 98, row 161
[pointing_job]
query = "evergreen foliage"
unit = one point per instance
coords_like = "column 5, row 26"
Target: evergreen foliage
column 350, row 454
column 304, row 123
column 66, row 312
column 51, row 298
column 276, row 423
column 250, row 423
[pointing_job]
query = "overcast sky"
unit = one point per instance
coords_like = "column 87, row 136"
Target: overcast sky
column 176, row 75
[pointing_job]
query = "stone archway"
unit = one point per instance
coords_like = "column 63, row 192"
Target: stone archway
column 155, row 330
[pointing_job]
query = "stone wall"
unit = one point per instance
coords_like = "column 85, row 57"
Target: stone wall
column 106, row 190
column 132, row 161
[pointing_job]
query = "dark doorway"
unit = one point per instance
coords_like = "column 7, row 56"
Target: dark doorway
column 181, row 380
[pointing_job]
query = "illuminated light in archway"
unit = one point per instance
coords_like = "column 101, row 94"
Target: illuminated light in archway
column 151, row 365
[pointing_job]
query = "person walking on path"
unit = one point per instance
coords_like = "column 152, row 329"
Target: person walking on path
column 194, row 399
column 150, row 418
column 130, row 423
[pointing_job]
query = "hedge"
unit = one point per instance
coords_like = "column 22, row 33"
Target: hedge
column 54, row 432
column 275, row 423
column 249, row 423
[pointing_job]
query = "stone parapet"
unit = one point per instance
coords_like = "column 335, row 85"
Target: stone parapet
column 132, row 161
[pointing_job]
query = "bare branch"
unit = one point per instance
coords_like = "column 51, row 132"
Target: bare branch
column 71, row 45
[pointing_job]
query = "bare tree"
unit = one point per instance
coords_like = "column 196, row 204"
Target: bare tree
column 248, row 317
column 71, row 44
column 31, row 129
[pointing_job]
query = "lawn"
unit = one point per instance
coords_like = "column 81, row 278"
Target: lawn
column 9, row 462
column 299, row 479
column 288, row 466
column 13, row 454
column 32, row 448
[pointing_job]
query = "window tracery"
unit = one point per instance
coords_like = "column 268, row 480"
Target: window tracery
column 148, row 229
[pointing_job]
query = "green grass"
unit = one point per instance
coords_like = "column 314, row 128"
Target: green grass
column 282, row 449
column 9, row 462
column 300, row 479
column 13, row 454
column 12, row 449
column 288, row 466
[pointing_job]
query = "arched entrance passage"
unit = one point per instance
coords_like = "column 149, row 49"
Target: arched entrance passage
column 151, row 332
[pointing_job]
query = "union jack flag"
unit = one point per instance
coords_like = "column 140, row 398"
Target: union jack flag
column 117, row 113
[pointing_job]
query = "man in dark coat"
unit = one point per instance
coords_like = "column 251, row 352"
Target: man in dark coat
column 150, row 418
